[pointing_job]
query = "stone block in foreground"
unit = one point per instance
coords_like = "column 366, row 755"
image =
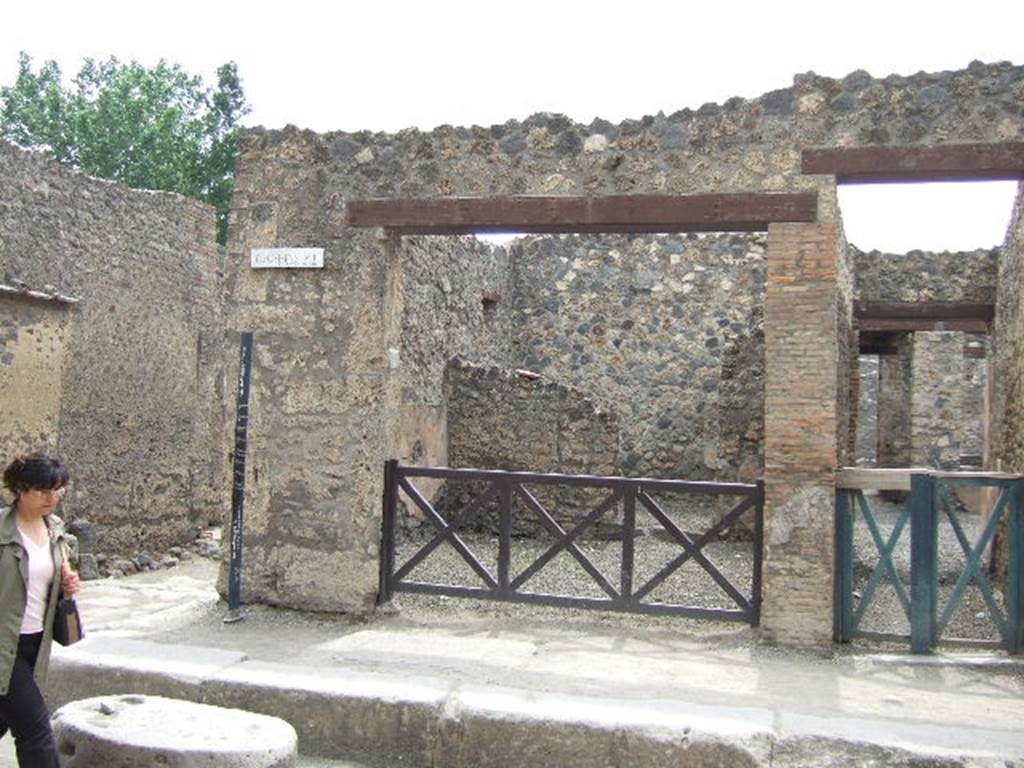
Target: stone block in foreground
column 129, row 731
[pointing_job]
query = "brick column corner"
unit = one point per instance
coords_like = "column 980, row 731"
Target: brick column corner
column 805, row 362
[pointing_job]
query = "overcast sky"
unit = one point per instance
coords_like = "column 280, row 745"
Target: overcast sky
column 390, row 65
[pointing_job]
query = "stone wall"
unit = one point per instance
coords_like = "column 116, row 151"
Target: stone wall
column 974, row 426
column 291, row 191
column 140, row 409
column 35, row 333
column 936, row 401
column 666, row 331
column 500, row 420
column 895, row 385
column 1008, row 393
column 455, row 302
column 866, row 454
column 1007, row 389
column 968, row 276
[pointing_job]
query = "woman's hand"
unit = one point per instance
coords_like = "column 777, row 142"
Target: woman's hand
column 70, row 582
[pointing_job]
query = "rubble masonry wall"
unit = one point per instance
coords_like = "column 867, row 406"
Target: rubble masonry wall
column 310, row 526
column 139, row 413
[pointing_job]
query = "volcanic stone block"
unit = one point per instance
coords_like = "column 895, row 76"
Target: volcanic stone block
column 130, row 731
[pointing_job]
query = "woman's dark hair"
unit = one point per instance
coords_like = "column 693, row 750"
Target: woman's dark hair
column 35, row 472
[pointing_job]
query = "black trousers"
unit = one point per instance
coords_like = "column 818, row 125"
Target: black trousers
column 24, row 713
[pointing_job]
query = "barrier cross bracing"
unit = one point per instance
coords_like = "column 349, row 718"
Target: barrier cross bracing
column 930, row 506
column 628, row 494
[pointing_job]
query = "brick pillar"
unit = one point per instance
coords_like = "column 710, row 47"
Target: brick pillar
column 805, row 363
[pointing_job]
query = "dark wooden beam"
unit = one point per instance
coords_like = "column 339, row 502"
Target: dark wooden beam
column 878, row 349
column 943, row 162
column 741, row 212
column 909, row 324
column 923, row 310
column 876, row 344
column 885, row 342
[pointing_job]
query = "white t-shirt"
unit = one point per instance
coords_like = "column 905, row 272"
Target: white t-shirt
column 40, row 577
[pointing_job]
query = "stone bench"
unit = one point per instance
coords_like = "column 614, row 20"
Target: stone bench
column 128, row 731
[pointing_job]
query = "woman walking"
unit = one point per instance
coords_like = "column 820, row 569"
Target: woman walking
column 32, row 573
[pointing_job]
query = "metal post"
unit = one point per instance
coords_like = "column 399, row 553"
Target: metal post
column 628, row 533
column 842, row 596
column 505, row 539
column 924, row 581
column 238, row 481
column 755, row 585
column 387, row 537
column 1015, row 567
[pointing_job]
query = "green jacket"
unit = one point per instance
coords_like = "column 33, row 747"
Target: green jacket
column 14, row 594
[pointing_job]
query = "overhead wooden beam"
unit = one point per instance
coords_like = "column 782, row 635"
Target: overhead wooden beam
column 910, row 324
column 923, row 310
column 943, row 162
column 882, row 350
column 740, row 212
column 875, row 316
column 885, row 342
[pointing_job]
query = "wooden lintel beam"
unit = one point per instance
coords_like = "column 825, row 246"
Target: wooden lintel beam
column 923, row 310
column 914, row 324
column 878, row 349
column 740, row 212
column 943, row 162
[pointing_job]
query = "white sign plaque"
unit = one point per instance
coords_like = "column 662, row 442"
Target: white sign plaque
column 287, row 258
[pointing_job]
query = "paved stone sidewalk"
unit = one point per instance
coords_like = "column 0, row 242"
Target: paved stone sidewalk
column 471, row 662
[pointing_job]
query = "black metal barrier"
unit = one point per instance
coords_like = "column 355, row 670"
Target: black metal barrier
column 632, row 494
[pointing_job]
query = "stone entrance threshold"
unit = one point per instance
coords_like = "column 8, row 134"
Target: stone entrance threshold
column 473, row 690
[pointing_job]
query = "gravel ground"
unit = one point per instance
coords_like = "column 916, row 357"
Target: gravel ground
column 690, row 585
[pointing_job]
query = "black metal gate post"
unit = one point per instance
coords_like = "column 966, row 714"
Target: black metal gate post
column 924, row 583
column 505, row 539
column 387, row 530
column 628, row 541
column 238, row 480
column 757, row 577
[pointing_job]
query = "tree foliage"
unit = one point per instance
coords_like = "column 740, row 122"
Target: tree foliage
column 151, row 128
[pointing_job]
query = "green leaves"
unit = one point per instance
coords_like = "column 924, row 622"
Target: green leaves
column 151, row 128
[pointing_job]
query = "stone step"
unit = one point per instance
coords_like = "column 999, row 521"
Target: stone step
column 393, row 717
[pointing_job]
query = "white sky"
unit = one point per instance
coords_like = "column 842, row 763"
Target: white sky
column 390, row 65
